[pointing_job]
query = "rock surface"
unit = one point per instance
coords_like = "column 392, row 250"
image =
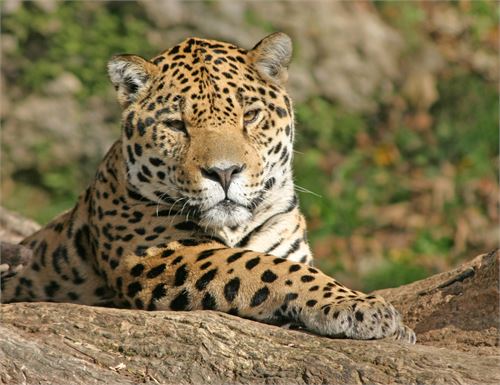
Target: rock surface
column 455, row 315
column 14, row 227
column 458, row 309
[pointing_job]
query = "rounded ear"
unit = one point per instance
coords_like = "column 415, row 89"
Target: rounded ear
column 130, row 74
column 271, row 57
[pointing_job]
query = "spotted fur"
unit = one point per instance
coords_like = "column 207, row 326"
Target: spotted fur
column 194, row 207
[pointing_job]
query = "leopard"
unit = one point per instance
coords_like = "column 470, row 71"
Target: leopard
column 194, row 206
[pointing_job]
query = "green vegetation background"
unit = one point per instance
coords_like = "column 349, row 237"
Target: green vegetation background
column 369, row 220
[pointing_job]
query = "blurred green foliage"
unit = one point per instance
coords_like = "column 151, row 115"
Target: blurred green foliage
column 467, row 124
column 74, row 38
column 397, row 273
column 407, row 18
column 465, row 134
column 348, row 161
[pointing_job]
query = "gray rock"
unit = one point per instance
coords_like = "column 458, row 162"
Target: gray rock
column 455, row 315
column 66, row 84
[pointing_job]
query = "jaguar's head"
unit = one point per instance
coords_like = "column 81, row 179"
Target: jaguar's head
column 208, row 126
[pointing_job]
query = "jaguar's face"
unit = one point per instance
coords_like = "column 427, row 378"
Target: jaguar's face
column 207, row 126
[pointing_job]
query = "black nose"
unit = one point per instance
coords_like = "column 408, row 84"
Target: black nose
column 223, row 176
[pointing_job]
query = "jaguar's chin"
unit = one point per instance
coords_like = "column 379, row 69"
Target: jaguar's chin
column 225, row 214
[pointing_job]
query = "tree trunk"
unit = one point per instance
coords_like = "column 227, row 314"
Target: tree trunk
column 455, row 316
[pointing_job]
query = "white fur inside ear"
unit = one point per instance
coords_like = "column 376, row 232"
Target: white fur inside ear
column 128, row 77
column 272, row 56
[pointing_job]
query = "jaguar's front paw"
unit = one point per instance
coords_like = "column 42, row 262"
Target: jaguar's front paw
column 404, row 334
column 365, row 317
column 14, row 258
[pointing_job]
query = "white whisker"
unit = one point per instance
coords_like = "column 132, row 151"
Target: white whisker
column 304, row 190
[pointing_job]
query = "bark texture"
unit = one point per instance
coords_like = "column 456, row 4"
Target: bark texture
column 455, row 315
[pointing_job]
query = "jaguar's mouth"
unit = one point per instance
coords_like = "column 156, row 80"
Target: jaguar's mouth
column 226, row 213
column 228, row 204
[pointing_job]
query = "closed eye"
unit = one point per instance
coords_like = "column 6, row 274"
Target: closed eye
column 176, row 125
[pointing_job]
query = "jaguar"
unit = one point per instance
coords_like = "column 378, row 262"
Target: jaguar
column 194, row 206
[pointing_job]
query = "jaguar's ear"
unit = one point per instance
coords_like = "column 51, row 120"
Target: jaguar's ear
column 271, row 57
column 130, row 74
